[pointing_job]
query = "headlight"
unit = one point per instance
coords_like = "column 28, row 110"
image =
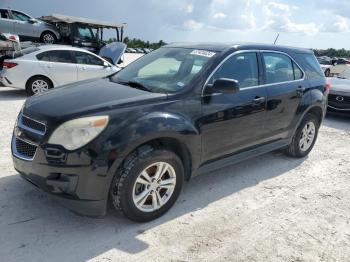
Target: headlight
column 78, row 132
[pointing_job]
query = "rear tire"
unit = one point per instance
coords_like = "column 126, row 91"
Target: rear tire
column 37, row 85
column 304, row 138
column 142, row 194
column 48, row 38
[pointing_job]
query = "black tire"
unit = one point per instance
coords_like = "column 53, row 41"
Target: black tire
column 29, row 86
column 122, row 187
column 48, row 37
column 327, row 73
column 294, row 149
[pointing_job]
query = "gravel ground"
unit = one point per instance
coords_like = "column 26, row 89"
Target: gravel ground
column 271, row 208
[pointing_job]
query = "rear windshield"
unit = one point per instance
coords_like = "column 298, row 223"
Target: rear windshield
column 25, row 51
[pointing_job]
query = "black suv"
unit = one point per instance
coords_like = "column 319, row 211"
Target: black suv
column 181, row 110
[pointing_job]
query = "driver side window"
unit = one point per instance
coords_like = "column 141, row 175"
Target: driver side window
column 19, row 16
column 83, row 58
column 242, row 67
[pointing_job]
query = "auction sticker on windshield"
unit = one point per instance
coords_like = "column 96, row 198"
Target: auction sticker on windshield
column 203, row 53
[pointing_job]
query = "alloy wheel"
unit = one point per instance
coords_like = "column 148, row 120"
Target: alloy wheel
column 307, row 136
column 39, row 86
column 48, row 39
column 154, row 187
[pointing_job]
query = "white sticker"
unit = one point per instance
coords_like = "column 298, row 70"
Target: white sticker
column 203, row 53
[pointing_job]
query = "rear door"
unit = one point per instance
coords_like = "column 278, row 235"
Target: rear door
column 91, row 66
column 59, row 65
column 285, row 84
column 233, row 122
column 6, row 24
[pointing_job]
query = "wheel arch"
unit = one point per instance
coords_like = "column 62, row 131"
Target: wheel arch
column 44, row 76
column 316, row 111
column 49, row 31
column 165, row 142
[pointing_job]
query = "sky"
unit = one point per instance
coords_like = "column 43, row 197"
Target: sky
column 308, row 23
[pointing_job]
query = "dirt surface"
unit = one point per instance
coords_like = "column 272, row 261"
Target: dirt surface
column 270, row 208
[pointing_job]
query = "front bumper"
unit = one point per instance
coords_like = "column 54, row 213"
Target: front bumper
column 339, row 102
column 79, row 184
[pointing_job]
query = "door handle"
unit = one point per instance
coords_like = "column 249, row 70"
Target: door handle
column 259, row 100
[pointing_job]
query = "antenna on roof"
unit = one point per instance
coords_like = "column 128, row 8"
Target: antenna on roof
column 278, row 35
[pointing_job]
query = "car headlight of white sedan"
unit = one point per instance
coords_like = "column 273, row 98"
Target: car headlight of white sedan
column 76, row 133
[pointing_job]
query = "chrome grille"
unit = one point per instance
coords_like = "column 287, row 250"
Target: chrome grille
column 25, row 149
column 33, row 124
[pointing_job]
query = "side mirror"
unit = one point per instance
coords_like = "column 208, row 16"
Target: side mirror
column 32, row 20
column 223, row 85
column 105, row 64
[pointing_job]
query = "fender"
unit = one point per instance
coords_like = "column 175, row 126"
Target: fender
column 313, row 98
column 152, row 126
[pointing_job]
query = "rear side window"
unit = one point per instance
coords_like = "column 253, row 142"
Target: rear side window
column 311, row 66
column 298, row 74
column 60, row 56
column 87, row 59
column 278, row 68
column 242, row 67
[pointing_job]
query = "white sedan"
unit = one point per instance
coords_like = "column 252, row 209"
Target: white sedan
column 38, row 69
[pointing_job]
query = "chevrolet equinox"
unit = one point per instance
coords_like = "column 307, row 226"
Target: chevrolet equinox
column 133, row 138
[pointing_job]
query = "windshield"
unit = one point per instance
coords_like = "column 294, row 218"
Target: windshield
column 86, row 33
column 166, row 70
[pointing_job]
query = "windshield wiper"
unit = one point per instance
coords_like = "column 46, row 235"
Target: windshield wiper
column 135, row 84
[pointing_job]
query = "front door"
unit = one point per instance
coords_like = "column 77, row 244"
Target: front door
column 6, row 24
column 233, row 122
column 22, row 25
column 90, row 66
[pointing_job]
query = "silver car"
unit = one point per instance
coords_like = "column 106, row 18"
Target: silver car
column 27, row 27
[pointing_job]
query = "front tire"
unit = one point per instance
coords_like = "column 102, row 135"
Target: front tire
column 48, row 38
column 148, row 184
column 37, row 85
column 327, row 73
column 305, row 137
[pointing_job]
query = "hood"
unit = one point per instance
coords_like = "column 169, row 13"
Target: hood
column 114, row 51
column 339, row 85
column 87, row 97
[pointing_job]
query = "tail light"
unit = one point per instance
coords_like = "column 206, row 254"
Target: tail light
column 9, row 65
column 327, row 87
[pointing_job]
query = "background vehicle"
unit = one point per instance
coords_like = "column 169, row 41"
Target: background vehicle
column 338, row 66
column 38, row 69
column 175, row 112
column 83, row 32
column 339, row 96
column 325, row 65
column 27, row 27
